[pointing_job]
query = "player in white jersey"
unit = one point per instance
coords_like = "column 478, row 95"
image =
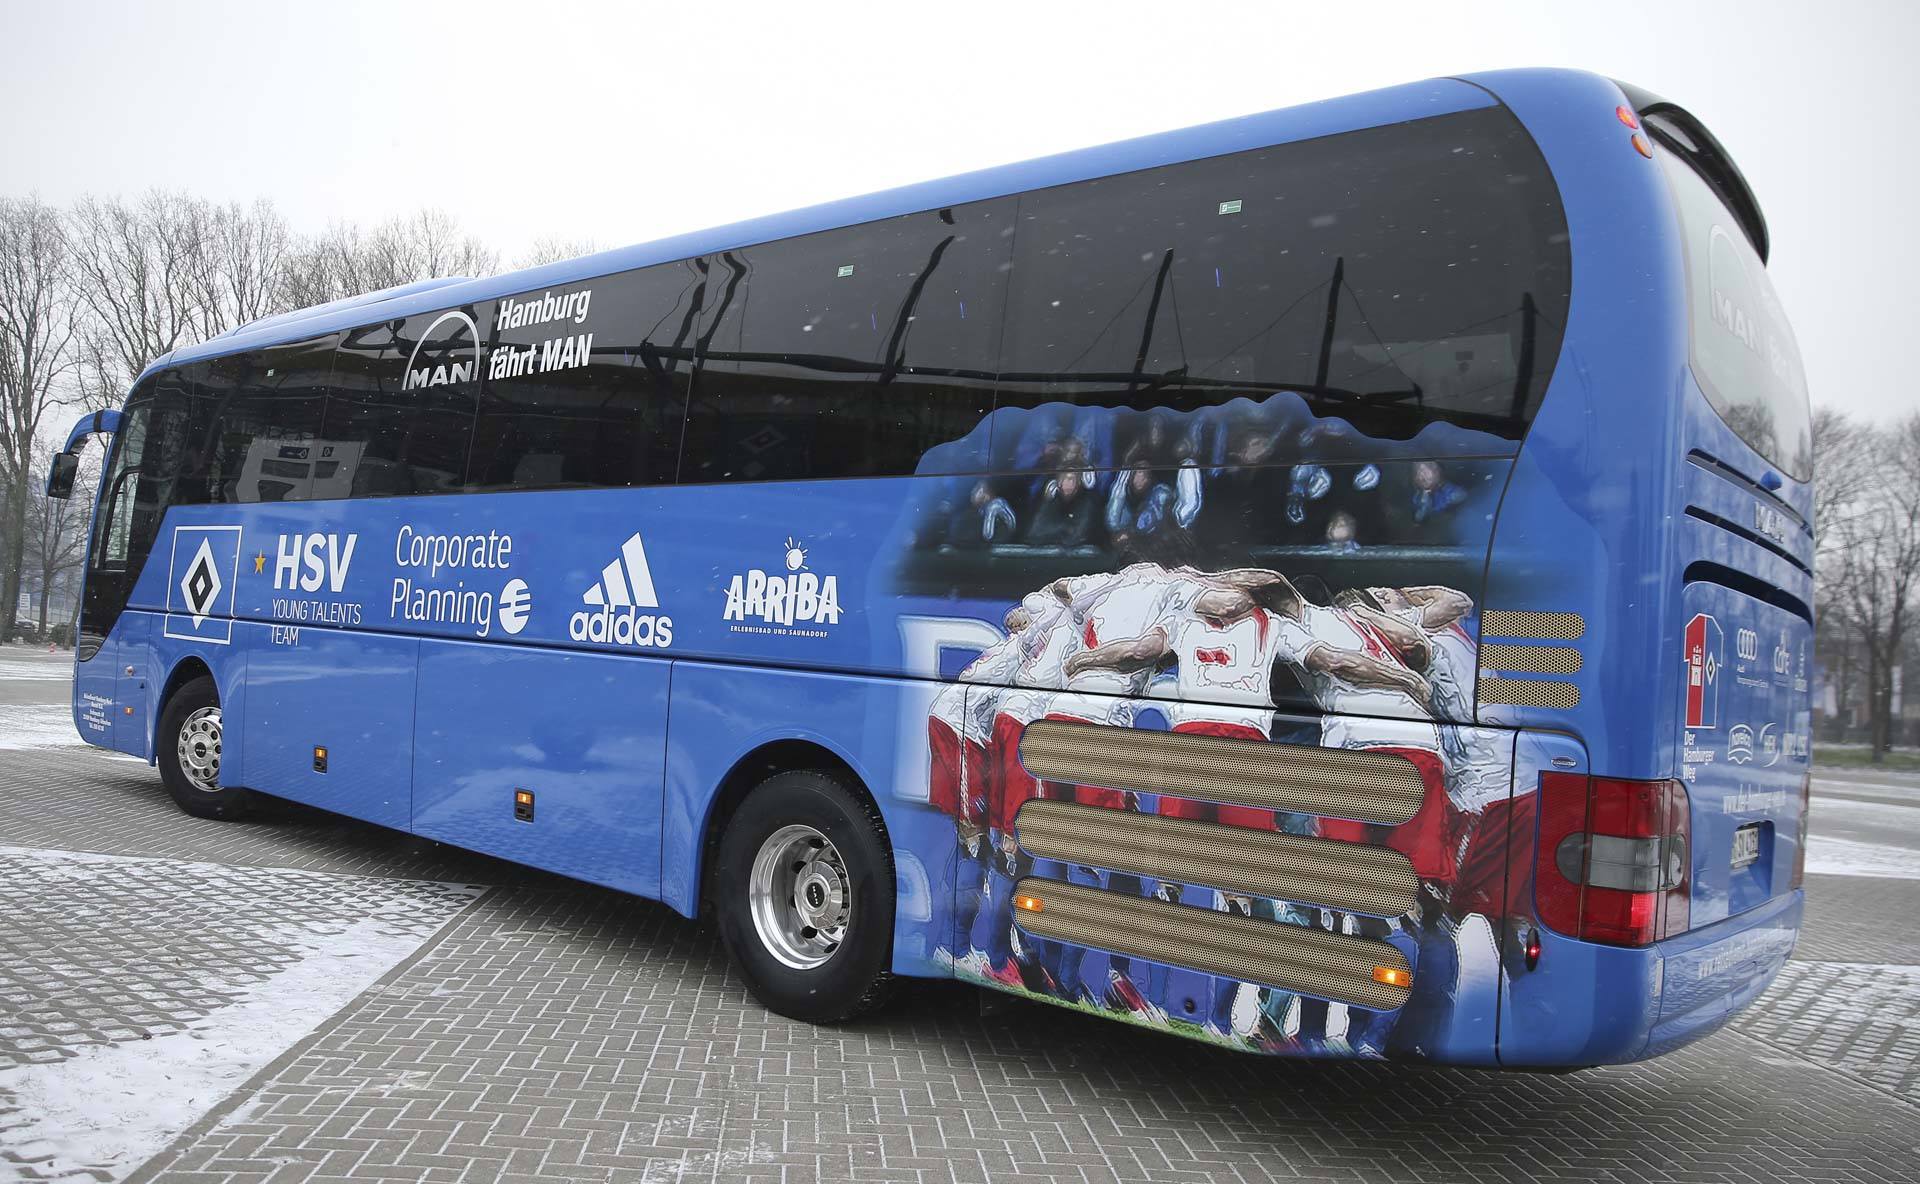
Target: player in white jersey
column 1436, row 612
column 959, row 726
column 1142, row 599
column 1126, row 604
column 1221, row 642
column 1036, row 678
column 1454, row 946
column 1479, row 778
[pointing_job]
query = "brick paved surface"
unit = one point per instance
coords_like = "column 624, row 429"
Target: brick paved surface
column 558, row 1031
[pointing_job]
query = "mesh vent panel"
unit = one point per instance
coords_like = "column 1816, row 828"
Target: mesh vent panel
column 1350, row 877
column 1496, row 622
column 1269, row 953
column 1530, row 659
column 1521, row 692
column 1339, row 783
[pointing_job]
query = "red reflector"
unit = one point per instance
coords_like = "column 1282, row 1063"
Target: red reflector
column 1628, row 117
column 1614, row 862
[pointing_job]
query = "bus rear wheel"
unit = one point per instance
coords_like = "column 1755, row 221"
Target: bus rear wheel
column 803, row 892
column 190, row 744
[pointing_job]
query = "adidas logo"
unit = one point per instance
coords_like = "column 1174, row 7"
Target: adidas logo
column 617, row 603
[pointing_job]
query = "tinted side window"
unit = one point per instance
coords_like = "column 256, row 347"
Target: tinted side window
column 866, row 351
column 1744, row 353
column 173, row 450
column 109, row 578
column 400, row 412
column 259, row 419
column 1393, row 276
column 586, row 384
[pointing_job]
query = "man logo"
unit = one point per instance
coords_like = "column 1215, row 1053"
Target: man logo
column 515, row 603
column 200, row 584
column 450, row 370
column 625, row 587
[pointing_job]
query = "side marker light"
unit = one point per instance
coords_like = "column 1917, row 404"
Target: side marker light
column 1031, row 904
column 1393, row 976
column 1641, row 146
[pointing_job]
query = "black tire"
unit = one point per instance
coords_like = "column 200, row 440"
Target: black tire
column 856, row 976
column 218, row 801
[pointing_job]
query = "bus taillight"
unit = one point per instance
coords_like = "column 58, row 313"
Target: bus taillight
column 1613, row 861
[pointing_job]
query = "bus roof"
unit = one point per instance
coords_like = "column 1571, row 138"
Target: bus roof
column 1416, row 100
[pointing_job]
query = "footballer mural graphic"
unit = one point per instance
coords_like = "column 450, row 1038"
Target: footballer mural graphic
column 1327, row 602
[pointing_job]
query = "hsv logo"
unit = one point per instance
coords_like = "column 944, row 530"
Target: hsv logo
column 206, row 561
column 1703, row 640
column 309, row 562
column 614, row 604
column 202, row 584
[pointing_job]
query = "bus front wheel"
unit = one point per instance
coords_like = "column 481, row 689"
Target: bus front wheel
column 803, row 892
column 190, row 746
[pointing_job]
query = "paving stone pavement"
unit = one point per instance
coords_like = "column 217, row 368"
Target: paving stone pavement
column 558, row 1031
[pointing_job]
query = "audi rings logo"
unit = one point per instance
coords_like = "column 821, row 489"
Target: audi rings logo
column 447, row 368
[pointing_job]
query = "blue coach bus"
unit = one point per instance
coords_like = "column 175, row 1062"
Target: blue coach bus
column 1333, row 582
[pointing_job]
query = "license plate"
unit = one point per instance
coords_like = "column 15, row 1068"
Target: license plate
column 1746, row 845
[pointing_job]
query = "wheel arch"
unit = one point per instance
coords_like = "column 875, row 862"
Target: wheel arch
column 184, row 671
column 770, row 759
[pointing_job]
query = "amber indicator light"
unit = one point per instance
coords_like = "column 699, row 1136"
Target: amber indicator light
column 1393, row 976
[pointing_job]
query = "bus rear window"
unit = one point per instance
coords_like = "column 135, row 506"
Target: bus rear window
column 1743, row 351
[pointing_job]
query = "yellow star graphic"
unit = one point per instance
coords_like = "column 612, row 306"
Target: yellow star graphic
column 260, row 562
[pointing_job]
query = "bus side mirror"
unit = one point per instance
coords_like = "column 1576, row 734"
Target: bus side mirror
column 66, row 466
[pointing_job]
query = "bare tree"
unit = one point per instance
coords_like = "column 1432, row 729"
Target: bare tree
column 56, row 530
column 347, row 261
column 36, row 336
column 552, row 249
column 139, row 268
column 239, row 257
column 1869, row 550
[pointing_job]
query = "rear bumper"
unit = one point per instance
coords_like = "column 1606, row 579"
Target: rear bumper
column 1595, row 1005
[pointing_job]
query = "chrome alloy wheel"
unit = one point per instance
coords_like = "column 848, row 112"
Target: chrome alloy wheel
column 199, row 749
column 801, row 896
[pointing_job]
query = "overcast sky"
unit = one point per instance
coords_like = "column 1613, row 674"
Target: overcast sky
column 627, row 122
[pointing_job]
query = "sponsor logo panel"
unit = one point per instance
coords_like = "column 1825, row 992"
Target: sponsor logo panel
column 791, row 601
column 448, row 579
column 616, row 607
column 1703, row 647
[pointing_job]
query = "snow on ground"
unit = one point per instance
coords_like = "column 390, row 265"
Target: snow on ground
column 37, row 725
column 1824, row 787
column 1845, row 857
column 39, row 668
column 107, row 1108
